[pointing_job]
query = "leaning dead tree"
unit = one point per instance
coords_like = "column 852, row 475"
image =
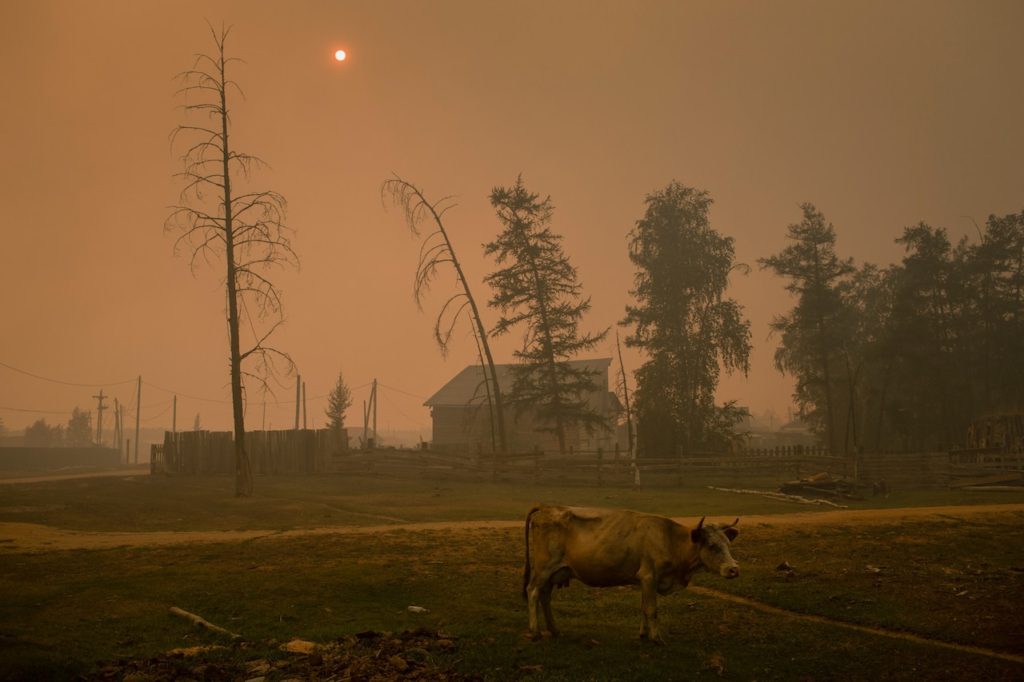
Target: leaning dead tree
column 221, row 220
column 435, row 251
column 623, row 387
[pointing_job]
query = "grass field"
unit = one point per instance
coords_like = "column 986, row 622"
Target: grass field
column 947, row 579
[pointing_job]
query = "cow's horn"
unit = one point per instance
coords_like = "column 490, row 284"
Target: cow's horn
column 732, row 524
column 701, row 524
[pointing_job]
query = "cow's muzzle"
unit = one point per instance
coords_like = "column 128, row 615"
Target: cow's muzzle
column 730, row 572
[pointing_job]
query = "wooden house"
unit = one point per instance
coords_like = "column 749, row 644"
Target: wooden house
column 461, row 418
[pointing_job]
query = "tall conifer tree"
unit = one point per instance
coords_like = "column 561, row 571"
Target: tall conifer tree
column 537, row 287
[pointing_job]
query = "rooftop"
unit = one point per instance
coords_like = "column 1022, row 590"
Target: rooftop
column 467, row 386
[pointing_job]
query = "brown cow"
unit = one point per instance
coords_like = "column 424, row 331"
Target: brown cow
column 608, row 547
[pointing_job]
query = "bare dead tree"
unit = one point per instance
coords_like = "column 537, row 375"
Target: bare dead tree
column 216, row 220
column 623, row 386
column 436, row 250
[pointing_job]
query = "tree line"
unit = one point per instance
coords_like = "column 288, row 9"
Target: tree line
column 906, row 356
column 903, row 356
column 78, row 431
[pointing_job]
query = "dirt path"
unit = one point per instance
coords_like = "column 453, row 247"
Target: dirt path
column 30, row 537
column 882, row 632
column 138, row 470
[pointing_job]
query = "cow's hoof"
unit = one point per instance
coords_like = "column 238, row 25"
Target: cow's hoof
column 554, row 633
column 533, row 636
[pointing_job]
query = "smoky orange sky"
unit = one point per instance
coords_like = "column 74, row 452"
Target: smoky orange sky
column 882, row 114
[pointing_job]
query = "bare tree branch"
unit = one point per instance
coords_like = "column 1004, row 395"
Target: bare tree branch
column 244, row 231
column 435, row 251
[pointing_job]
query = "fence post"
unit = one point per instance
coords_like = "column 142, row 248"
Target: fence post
column 600, row 473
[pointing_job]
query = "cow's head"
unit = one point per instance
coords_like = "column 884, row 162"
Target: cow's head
column 712, row 543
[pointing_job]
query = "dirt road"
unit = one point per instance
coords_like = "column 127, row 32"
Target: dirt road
column 30, row 537
column 137, row 470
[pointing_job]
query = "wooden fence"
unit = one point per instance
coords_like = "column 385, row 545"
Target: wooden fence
column 598, row 467
column 322, row 452
column 611, row 468
column 303, row 451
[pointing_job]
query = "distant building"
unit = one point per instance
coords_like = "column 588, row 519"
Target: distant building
column 461, row 418
column 761, row 434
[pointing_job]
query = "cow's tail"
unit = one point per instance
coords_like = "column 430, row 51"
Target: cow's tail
column 526, row 569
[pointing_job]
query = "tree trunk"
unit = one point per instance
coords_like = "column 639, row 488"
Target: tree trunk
column 243, row 472
column 481, row 332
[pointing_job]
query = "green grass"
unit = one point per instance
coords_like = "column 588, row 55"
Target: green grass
column 61, row 613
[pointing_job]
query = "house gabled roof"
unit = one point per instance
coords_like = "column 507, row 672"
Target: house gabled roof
column 467, row 388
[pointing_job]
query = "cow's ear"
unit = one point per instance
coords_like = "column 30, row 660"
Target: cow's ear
column 697, row 535
column 731, row 533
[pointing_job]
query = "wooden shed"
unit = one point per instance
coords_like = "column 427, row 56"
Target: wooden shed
column 460, row 415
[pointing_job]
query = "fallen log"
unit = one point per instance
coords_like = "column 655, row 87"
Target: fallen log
column 202, row 622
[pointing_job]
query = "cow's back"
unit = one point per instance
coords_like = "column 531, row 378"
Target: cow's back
column 601, row 547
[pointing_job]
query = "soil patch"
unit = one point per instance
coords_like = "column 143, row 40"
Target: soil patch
column 378, row 656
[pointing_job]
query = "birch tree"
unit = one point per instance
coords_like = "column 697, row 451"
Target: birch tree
column 684, row 323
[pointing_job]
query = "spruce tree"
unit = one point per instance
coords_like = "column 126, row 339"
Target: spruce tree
column 537, row 288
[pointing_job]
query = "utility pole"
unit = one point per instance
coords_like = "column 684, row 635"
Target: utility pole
column 367, row 409
column 99, row 417
column 174, row 427
column 304, row 423
column 298, row 391
column 138, row 412
column 117, row 425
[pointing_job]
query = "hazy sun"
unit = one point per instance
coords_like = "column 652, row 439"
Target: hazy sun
column 339, row 55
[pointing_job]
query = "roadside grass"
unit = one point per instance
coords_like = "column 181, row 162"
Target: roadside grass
column 159, row 503
column 959, row 580
column 62, row 612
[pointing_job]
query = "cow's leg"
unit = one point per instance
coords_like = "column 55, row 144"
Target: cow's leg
column 532, row 596
column 545, row 601
column 649, row 609
column 539, row 592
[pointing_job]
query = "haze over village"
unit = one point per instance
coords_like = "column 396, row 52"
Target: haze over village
column 880, row 116
column 338, row 334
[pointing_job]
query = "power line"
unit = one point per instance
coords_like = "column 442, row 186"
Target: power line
column 158, row 415
column 391, row 403
column 228, row 402
column 168, row 390
column 23, row 409
column 65, row 383
column 411, row 395
column 186, row 395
